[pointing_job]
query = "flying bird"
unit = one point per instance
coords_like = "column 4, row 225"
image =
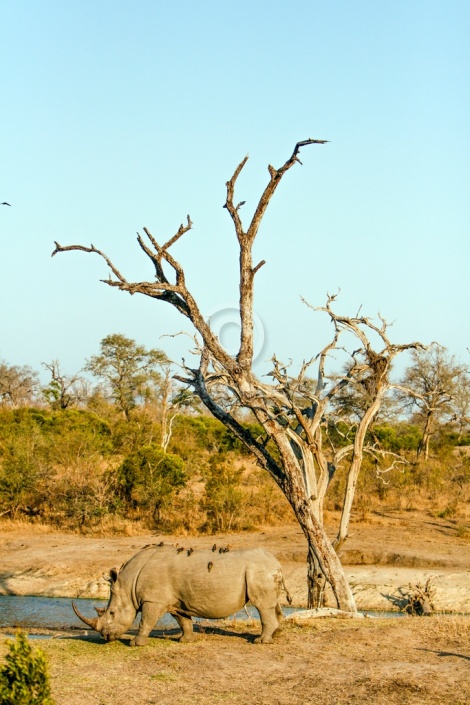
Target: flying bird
column 5, row 204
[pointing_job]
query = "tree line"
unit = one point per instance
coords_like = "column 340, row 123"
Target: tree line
column 135, row 448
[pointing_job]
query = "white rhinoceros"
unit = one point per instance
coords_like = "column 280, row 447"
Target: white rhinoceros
column 200, row 583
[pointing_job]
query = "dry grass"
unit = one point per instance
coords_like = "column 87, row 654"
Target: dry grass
column 409, row 661
column 21, row 525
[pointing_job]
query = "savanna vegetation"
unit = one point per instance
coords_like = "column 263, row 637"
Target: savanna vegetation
column 135, row 452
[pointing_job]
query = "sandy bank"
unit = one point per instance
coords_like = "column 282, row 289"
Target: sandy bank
column 66, row 565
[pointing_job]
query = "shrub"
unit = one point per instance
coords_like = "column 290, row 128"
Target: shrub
column 24, row 680
column 149, row 479
column 224, row 497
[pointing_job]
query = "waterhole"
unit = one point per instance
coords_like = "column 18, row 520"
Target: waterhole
column 34, row 612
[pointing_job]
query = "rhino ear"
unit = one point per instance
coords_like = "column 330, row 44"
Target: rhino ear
column 112, row 577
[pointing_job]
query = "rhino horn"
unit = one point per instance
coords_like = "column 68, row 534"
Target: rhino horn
column 89, row 622
column 100, row 611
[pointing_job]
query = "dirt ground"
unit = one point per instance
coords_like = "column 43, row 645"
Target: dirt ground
column 424, row 661
column 409, row 660
column 382, row 557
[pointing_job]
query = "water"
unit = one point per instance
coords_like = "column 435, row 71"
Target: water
column 32, row 612
column 57, row 613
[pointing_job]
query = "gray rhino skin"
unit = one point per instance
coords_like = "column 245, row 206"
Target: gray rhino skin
column 202, row 584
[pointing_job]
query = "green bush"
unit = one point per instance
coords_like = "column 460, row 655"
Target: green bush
column 24, row 680
column 22, row 469
column 149, row 479
column 397, row 437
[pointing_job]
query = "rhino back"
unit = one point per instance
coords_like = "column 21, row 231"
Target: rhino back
column 205, row 583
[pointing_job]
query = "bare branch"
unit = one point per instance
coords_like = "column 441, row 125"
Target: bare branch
column 258, row 266
column 246, row 240
column 92, row 248
column 233, row 210
column 181, row 231
column 276, row 176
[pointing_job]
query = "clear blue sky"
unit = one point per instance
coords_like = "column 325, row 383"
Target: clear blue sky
column 118, row 115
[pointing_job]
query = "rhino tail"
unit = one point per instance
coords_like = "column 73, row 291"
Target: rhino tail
column 283, row 585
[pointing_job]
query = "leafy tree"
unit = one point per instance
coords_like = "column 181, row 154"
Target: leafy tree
column 397, row 437
column 128, row 370
column 150, row 478
column 24, row 680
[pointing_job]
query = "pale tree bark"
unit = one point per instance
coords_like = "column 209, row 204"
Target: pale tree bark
column 167, row 409
column 291, row 413
column 423, row 446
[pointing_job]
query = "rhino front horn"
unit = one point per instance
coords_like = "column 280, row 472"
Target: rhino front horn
column 89, row 622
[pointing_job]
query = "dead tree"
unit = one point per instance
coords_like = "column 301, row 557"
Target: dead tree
column 419, row 599
column 366, row 381
column 63, row 391
column 293, row 449
column 436, row 387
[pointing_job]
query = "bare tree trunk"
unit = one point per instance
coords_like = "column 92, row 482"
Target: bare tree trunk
column 324, row 566
column 322, row 560
column 354, row 470
column 423, row 446
column 316, row 582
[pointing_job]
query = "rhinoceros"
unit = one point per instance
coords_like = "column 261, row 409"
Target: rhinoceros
column 200, row 583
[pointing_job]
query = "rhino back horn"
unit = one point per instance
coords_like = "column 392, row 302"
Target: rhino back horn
column 88, row 621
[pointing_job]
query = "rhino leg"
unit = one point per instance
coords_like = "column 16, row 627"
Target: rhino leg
column 186, row 625
column 151, row 613
column 279, row 617
column 264, row 594
column 269, row 624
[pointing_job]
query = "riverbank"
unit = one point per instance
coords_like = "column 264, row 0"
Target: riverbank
column 382, row 558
